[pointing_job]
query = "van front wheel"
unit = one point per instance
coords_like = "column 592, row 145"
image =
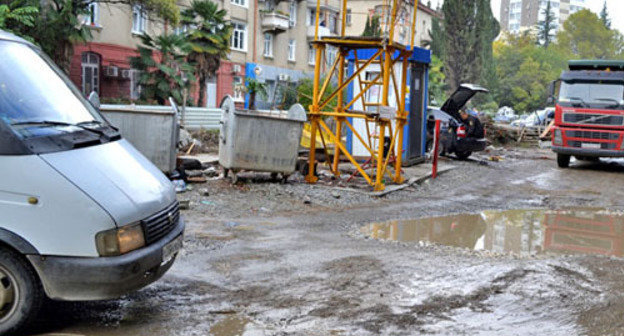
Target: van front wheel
column 20, row 293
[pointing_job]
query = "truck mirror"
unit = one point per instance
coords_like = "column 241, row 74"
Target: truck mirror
column 94, row 99
column 551, row 93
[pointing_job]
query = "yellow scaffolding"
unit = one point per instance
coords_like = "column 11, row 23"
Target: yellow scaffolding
column 388, row 54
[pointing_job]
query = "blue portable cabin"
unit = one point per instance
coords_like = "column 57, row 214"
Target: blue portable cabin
column 415, row 133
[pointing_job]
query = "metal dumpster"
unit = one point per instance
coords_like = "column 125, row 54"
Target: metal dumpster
column 266, row 141
column 153, row 130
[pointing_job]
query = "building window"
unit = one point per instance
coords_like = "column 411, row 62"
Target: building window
column 268, row 45
column 333, row 27
column 181, row 30
column 330, row 54
column 311, row 54
column 292, row 45
column 348, row 16
column 92, row 17
column 293, row 13
column 238, row 40
column 311, row 17
column 90, row 73
column 135, row 87
column 139, row 20
column 242, row 3
column 238, row 88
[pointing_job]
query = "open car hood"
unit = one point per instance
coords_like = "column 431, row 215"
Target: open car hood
column 459, row 99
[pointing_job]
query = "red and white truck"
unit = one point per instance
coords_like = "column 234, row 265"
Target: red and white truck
column 589, row 113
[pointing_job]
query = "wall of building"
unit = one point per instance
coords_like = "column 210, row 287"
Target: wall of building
column 114, row 41
column 521, row 15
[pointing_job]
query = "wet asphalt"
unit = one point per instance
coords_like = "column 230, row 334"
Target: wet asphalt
column 259, row 261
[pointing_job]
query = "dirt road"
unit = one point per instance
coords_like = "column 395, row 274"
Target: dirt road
column 258, row 261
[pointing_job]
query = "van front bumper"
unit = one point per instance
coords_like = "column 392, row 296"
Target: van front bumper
column 83, row 279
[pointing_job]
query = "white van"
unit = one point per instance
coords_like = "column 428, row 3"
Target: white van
column 83, row 215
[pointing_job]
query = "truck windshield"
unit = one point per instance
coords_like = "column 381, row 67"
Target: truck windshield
column 592, row 93
column 35, row 94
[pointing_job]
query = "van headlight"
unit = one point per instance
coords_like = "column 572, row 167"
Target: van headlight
column 558, row 140
column 120, row 241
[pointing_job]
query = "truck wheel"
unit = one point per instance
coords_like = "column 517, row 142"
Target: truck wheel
column 21, row 295
column 463, row 155
column 563, row 160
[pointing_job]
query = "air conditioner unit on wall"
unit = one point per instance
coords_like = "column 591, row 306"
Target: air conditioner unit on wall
column 236, row 68
column 126, row 73
column 283, row 77
column 111, row 71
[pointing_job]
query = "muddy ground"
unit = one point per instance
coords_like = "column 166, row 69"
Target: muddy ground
column 259, row 261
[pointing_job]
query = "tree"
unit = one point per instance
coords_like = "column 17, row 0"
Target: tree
column 585, row 36
column 546, row 28
column 305, row 94
column 255, row 87
column 372, row 27
column 437, row 84
column 469, row 29
column 164, row 70
column 59, row 23
column 209, row 40
column 524, row 70
column 604, row 16
column 437, row 34
column 17, row 16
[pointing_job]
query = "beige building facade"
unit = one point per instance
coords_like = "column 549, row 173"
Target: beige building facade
column 359, row 11
column 521, row 15
column 271, row 42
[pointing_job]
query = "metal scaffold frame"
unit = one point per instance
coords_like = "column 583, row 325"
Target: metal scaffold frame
column 388, row 54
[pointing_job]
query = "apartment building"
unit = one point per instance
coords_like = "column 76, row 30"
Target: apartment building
column 520, row 15
column 271, row 42
column 358, row 11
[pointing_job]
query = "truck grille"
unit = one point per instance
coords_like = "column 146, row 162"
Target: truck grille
column 607, row 146
column 593, row 135
column 160, row 224
column 593, row 119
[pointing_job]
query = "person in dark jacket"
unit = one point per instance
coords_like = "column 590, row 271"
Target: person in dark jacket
column 474, row 128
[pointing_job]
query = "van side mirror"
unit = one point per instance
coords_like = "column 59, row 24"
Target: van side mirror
column 94, row 99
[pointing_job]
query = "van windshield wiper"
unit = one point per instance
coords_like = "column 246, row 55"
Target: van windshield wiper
column 62, row 123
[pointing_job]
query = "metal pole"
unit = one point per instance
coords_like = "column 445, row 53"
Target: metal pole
column 436, row 146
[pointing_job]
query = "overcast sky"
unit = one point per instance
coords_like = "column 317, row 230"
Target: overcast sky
column 614, row 6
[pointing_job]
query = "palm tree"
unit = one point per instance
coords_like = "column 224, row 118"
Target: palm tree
column 254, row 87
column 166, row 75
column 208, row 38
column 16, row 16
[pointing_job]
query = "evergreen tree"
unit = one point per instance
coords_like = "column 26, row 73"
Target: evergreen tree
column 437, row 38
column 372, row 27
column 604, row 16
column 546, row 28
column 469, row 29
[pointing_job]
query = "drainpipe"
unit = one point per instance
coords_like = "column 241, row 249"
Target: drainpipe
column 255, row 30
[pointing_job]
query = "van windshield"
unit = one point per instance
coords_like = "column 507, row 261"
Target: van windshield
column 33, row 91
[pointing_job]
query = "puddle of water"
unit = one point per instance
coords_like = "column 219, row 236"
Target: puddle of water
column 524, row 232
column 232, row 325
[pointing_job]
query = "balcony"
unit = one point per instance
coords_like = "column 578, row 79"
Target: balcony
column 275, row 22
column 323, row 31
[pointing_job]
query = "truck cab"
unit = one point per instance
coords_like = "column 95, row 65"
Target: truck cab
column 84, row 216
column 589, row 111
